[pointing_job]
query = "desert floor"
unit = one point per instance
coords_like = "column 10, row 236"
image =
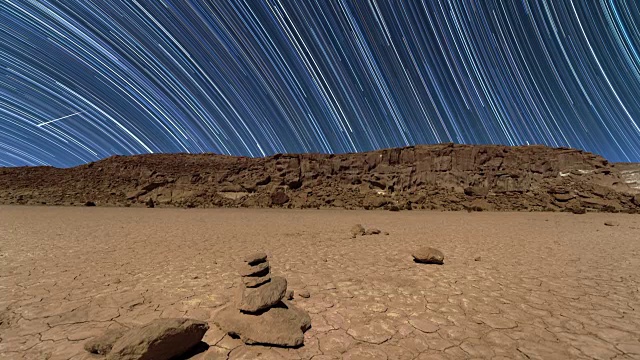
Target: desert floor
column 546, row 286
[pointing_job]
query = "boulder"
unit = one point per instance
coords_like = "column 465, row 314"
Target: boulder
column 150, row 204
column 428, row 255
column 161, row 339
column 281, row 325
column 279, row 198
column 260, row 298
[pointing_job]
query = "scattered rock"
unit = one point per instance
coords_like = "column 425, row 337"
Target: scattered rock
column 89, row 203
column 264, row 296
column 612, row 223
column 356, row 230
column 103, row 344
column 161, row 339
column 360, row 230
column 150, row 204
column 578, row 210
column 393, row 208
column 279, row 198
column 428, row 255
column 304, row 293
column 372, row 231
column 477, row 258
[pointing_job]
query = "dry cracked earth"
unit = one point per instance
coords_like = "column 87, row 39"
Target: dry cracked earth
column 513, row 286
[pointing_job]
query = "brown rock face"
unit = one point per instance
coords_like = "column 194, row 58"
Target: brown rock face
column 444, row 176
column 161, row 339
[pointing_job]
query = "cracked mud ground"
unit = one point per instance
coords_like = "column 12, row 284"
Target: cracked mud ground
column 546, row 286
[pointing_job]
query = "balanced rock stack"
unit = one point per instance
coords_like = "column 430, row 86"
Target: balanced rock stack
column 260, row 315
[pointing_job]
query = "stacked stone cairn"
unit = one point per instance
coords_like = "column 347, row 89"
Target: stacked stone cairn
column 260, row 314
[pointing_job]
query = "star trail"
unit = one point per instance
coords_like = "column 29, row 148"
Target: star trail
column 83, row 80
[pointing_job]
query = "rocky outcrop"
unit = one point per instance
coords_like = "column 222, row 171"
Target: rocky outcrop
column 443, row 177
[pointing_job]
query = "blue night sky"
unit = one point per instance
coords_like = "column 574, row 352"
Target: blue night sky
column 83, row 80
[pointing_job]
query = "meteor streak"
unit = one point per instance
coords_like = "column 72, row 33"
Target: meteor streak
column 54, row 120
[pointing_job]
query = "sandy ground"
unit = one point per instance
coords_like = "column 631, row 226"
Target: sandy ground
column 546, row 286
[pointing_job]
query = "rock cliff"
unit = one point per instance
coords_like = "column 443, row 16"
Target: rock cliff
column 444, row 176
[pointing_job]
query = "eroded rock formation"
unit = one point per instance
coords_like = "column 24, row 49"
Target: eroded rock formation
column 445, row 176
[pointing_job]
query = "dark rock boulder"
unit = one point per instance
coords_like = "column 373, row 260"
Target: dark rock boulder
column 279, row 198
column 161, row 339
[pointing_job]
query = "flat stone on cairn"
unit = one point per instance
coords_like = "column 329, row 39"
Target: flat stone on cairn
column 261, row 315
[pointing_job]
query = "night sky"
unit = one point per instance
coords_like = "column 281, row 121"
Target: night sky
column 83, row 80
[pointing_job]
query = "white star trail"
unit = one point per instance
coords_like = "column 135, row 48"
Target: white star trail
column 254, row 78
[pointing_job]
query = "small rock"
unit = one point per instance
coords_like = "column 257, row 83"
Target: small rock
column 477, row 258
column 263, row 297
column 386, row 233
column 161, row 339
column 279, row 198
column 150, row 204
column 103, row 344
column 289, row 295
column 356, row 230
column 612, row 223
column 579, row 210
column 394, row 208
column 256, row 258
column 372, row 231
column 428, row 255
column 89, row 203
column 304, row 293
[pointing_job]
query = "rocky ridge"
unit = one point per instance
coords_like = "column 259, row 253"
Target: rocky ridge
column 439, row 177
